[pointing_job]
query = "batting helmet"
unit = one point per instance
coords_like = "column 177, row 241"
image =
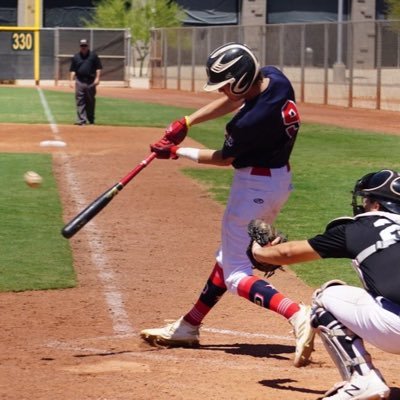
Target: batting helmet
column 382, row 186
column 232, row 63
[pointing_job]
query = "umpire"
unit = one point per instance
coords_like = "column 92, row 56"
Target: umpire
column 85, row 70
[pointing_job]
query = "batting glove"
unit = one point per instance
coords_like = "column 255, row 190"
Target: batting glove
column 177, row 130
column 164, row 149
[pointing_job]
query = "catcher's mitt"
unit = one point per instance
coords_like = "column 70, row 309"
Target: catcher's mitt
column 263, row 233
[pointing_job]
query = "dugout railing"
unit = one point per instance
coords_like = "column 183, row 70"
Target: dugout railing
column 54, row 47
column 353, row 64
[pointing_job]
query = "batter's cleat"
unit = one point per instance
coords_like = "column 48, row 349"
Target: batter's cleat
column 304, row 334
column 360, row 387
column 177, row 334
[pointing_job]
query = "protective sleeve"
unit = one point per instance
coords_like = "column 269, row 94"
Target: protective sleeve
column 332, row 243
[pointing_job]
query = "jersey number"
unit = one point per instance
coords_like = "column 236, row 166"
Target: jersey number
column 392, row 232
column 290, row 118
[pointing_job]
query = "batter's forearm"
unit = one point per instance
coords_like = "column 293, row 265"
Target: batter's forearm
column 215, row 109
column 203, row 156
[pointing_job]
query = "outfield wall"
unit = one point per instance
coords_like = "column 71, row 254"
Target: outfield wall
column 56, row 46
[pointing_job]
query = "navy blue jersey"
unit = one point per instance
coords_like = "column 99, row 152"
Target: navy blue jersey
column 85, row 67
column 380, row 272
column 263, row 131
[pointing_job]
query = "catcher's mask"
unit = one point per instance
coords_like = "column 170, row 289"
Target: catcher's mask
column 231, row 63
column 382, row 186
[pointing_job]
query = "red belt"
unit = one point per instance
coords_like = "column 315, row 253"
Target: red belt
column 262, row 171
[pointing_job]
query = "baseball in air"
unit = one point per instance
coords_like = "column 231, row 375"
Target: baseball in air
column 33, row 179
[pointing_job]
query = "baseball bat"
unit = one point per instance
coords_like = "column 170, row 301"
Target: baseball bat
column 80, row 220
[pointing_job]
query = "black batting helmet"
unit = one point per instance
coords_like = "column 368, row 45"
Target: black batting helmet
column 232, row 63
column 382, row 186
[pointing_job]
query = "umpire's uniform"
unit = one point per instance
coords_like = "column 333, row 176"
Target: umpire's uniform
column 85, row 65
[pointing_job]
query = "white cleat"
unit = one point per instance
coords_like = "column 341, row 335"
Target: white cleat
column 360, row 387
column 177, row 334
column 304, row 334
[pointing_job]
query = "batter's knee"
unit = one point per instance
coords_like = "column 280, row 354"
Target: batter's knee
column 232, row 281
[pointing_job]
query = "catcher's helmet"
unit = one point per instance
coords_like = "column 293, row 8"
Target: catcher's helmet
column 382, row 186
column 232, row 63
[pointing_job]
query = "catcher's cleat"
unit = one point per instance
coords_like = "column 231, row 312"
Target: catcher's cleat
column 360, row 387
column 304, row 334
column 177, row 334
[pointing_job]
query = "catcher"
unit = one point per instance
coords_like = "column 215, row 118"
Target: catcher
column 343, row 315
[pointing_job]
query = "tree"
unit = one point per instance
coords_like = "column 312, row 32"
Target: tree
column 393, row 9
column 140, row 16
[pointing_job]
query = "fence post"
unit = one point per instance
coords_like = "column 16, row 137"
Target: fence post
column 281, row 46
column 326, row 65
column 179, row 59
column 165, row 58
column 192, row 86
column 351, row 63
column 302, row 61
column 56, row 56
column 128, row 57
column 378, row 65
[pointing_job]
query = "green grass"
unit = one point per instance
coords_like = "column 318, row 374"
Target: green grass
column 326, row 162
column 33, row 253
column 108, row 111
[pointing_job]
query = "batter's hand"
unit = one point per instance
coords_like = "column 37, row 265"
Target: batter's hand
column 177, row 130
column 164, row 149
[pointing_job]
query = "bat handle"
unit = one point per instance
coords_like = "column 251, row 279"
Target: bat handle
column 144, row 163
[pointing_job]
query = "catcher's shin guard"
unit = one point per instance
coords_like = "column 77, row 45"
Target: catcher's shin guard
column 344, row 346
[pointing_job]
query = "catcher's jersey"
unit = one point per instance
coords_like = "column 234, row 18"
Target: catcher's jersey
column 263, row 132
column 380, row 272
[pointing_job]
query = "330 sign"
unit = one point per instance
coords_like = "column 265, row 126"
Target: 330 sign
column 22, row 41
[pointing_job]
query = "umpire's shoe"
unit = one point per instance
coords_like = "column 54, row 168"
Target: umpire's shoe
column 177, row 334
column 304, row 334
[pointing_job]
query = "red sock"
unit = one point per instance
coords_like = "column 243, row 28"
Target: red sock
column 212, row 292
column 265, row 295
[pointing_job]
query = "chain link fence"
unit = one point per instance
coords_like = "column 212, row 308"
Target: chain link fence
column 353, row 64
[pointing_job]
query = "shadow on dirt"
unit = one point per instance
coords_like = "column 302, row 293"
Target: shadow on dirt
column 255, row 350
column 285, row 384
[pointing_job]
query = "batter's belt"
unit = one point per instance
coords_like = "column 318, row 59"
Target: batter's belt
column 263, row 171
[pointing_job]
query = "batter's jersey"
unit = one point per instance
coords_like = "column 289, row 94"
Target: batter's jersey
column 263, row 132
column 380, row 272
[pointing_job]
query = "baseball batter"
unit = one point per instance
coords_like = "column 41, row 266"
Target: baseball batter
column 346, row 315
column 259, row 140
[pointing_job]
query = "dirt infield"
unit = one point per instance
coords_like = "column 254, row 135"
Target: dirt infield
column 137, row 266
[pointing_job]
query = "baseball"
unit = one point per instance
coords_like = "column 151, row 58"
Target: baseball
column 33, row 179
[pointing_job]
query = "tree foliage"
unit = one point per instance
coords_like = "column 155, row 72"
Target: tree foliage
column 140, row 16
column 393, row 9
